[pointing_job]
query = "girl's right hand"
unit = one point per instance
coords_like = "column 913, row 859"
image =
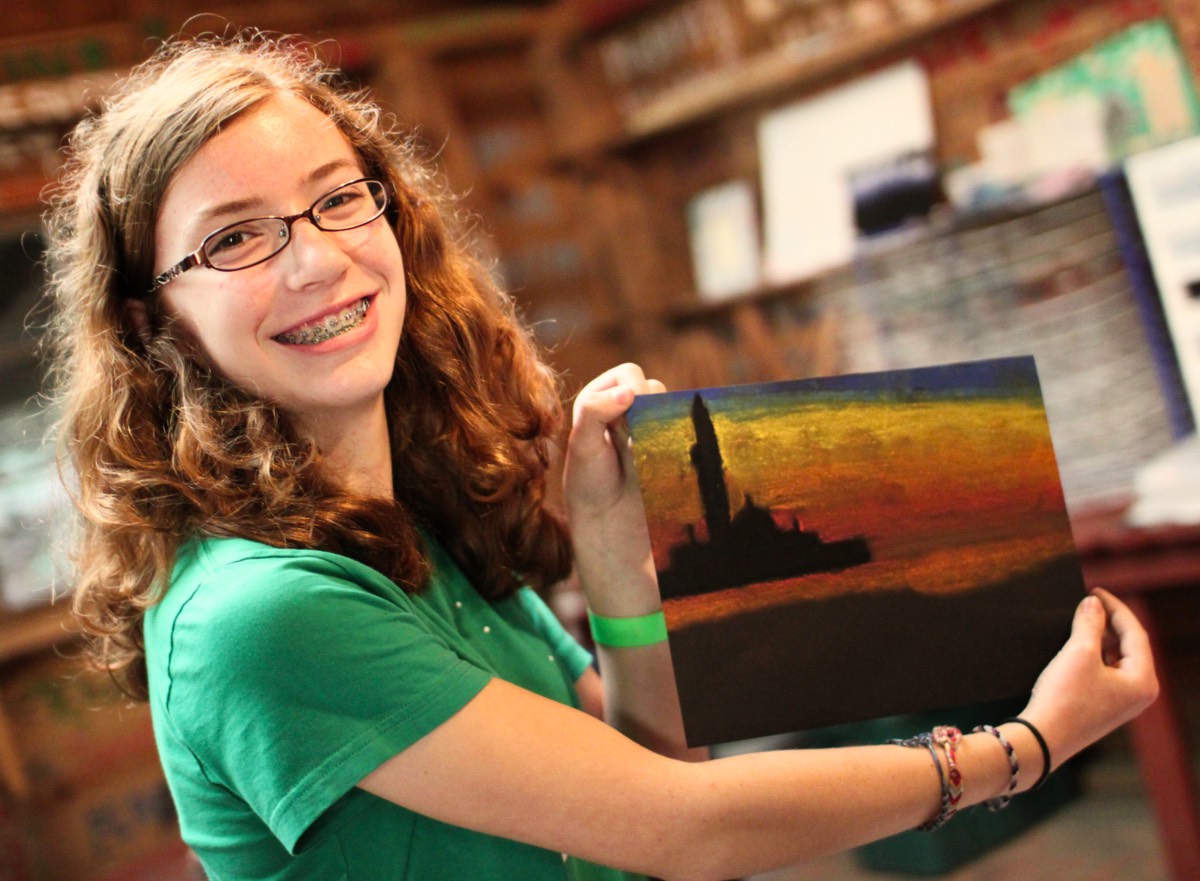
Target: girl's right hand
column 603, row 498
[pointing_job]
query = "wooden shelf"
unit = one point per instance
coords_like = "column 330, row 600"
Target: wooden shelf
column 790, row 67
column 781, row 68
column 465, row 32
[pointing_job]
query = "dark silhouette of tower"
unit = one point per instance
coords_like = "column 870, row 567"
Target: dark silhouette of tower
column 746, row 548
column 710, row 472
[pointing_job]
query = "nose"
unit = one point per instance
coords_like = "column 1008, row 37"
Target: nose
column 312, row 256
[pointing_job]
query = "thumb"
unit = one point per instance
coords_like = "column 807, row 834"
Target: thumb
column 1089, row 623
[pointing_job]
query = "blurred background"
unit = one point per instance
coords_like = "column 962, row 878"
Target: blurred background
column 726, row 191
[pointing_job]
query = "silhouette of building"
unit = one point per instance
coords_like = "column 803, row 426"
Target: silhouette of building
column 748, row 547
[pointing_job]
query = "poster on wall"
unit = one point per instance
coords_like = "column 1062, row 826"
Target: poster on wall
column 1139, row 80
column 1165, row 186
column 820, row 543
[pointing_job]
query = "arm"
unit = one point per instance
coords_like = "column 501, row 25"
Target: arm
column 614, row 562
column 514, row 764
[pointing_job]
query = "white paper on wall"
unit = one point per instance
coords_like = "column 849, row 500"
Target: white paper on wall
column 806, row 151
column 723, row 232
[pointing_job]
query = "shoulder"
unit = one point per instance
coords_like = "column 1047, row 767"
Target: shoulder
column 242, row 559
column 235, row 592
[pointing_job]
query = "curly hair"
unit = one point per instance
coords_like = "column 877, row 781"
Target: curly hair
column 158, row 447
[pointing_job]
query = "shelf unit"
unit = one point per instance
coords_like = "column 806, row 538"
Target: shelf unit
column 643, row 144
column 776, row 69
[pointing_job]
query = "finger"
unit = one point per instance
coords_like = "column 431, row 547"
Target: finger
column 1088, row 625
column 654, row 387
column 627, row 375
column 1132, row 640
column 596, row 415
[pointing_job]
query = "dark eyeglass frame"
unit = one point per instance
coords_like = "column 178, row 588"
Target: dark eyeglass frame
column 199, row 257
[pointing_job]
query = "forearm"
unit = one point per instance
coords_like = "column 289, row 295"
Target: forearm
column 588, row 791
column 641, row 702
column 517, row 765
column 824, row 801
column 638, row 689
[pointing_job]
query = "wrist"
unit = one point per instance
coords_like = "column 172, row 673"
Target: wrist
column 632, row 631
column 1033, row 748
column 619, row 591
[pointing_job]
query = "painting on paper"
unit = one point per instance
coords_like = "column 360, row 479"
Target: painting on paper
column 838, row 549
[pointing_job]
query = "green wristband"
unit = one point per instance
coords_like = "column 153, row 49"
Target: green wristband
column 628, row 632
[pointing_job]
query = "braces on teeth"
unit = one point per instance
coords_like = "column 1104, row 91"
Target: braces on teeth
column 333, row 325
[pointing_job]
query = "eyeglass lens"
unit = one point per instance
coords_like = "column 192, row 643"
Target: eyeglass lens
column 252, row 241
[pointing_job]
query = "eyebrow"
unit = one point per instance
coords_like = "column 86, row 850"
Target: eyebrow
column 239, row 206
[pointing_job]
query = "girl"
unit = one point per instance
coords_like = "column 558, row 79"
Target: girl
column 311, row 444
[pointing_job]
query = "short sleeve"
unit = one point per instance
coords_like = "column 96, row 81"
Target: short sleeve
column 291, row 680
column 577, row 658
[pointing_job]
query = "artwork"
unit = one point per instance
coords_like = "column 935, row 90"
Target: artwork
column 1139, row 77
column 839, row 549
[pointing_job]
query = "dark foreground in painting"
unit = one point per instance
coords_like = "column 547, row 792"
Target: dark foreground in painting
column 800, row 666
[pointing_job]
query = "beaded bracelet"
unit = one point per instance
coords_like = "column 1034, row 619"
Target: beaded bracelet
column 1014, row 768
column 631, row 632
column 1037, row 735
column 946, row 810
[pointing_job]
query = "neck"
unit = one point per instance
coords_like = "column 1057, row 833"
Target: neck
column 357, row 451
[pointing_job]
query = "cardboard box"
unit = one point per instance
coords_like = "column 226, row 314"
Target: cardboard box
column 72, row 726
column 123, row 827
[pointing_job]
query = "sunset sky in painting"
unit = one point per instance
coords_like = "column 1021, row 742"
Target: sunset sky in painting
column 948, row 472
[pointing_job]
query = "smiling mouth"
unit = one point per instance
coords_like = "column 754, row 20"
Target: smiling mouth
column 328, row 327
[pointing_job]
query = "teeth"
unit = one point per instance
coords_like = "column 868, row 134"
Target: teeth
column 328, row 328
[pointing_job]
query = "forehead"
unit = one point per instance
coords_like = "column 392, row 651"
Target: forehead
column 264, row 153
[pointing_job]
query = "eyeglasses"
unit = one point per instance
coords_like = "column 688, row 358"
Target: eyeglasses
column 249, row 242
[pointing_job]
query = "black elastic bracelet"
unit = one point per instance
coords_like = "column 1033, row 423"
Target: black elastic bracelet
column 1041, row 742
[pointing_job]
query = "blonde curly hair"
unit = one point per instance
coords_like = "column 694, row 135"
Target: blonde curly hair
column 161, row 448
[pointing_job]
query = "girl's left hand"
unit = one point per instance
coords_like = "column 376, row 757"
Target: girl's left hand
column 604, row 501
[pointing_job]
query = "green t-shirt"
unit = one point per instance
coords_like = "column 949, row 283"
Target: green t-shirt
column 280, row 678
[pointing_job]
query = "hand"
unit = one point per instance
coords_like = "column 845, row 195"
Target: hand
column 1103, row 677
column 604, row 501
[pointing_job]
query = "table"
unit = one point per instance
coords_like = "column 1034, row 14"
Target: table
column 1134, row 563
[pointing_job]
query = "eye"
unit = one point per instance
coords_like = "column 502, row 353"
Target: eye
column 341, row 203
column 245, row 243
column 230, row 240
column 338, row 199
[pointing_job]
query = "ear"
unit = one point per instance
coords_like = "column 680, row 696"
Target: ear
column 138, row 318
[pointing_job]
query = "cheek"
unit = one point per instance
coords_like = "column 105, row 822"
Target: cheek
column 384, row 255
column 224, row 330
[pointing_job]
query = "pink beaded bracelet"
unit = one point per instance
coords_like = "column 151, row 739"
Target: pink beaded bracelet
column 947, row 737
